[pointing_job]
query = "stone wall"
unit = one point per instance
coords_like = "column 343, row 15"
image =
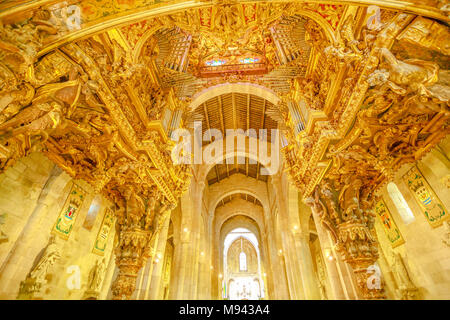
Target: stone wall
column 32, row 195
column 426, row 257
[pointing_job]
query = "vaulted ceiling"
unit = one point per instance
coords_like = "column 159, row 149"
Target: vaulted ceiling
column 236, row 111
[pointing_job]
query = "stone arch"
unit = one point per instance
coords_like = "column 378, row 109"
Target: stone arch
column 240, row 219
column 231, row 223
column 239, row 87
column 234, row 191
column 245, row 217
column 237, row 152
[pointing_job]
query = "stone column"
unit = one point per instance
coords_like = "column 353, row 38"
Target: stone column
column 306, row 264
column 277, row 273
column 177, row 273
column 156, row 275
column 139, row 283
column 204, row 275
column 148, row 270
column 331, row 268
column 197, row 199
column 108, row 278
column 187, row 251
column 300, row 230
column 388, row 276
column 292, row 259
column 20, row 253
column 343, row 269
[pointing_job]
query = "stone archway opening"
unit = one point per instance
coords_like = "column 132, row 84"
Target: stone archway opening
column 243, row 278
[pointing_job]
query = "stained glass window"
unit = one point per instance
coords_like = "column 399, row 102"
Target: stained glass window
column 249, row 60
column 400, row 203
column 215, row 62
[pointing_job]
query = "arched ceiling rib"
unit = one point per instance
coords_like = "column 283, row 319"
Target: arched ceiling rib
column 244, row 196
column 241, row 165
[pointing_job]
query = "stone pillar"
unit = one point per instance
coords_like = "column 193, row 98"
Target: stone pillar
column 291, row 255
column 20, row 253
column 388, row 276
column 300, row 230
column 108, row 278
column 204, row 275
column 187, row 251
column 306, row 264
column 345, row 274
column 197, row 200
column 156, row 275
column 177, row 281
column 277, row 273
column 139, row 283
column 148, row 270
column 331, row 268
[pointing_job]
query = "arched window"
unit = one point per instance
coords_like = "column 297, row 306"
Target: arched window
column 242, row 261
column 92, row 212
column 400, row 203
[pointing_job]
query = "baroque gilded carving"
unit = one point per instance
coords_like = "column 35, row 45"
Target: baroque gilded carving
column 345, row 210
column 139, row 222
column 88, row 107
column 96, row 106
column 402, row 112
